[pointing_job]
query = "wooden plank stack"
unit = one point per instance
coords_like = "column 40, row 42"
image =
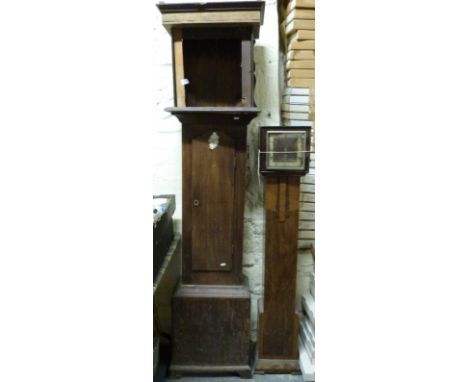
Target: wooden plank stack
column 297, row 30
column 307, row 208
column 298, row 35
column 296, row 107
column 307, row 240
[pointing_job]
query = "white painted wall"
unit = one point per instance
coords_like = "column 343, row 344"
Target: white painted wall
column 167, row 166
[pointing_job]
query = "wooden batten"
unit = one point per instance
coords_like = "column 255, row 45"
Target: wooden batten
column 301, row 55
column 301, row 14
column 303, row 34
column 301, row 83
column 178, row 66
column 297, row 116
column 299, row 24
column 247, row 77
column 300, row 64
column 294, row 4
column 301, row 73
column 301, row 45
column 242, row 17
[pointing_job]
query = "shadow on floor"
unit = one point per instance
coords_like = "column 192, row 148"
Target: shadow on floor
column 256, row 378
column 161, row 373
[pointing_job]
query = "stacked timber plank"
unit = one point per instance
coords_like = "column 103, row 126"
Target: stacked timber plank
column 298, row 35
column 307, row 208
column 307, row 240
column 296, row 107
column 297, row 30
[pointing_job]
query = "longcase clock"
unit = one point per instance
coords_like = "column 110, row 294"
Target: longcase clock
column 213, row 83
column 284, row 158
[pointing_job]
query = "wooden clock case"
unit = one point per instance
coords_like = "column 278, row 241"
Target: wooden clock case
column 213, row 83
column 278, row 320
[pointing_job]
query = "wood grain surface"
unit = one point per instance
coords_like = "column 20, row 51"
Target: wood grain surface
column 211, row 330
column 214, row 229
column 213, row 175
column 278, row 321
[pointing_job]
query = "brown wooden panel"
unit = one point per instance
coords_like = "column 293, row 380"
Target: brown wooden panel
column 247, row 68
column 186, row 205
column 279, row 322
column 211, row 326
column 178, row 59
column 224, row 32
column 240, row 17
column 213, row 69
column 213, row 179
column 238, row 134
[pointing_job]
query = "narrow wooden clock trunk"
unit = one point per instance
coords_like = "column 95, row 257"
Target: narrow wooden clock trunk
column 285, row 153
column 278, row 348
column 213, row 78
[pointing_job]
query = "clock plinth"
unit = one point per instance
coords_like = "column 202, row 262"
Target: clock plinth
column 211, row 330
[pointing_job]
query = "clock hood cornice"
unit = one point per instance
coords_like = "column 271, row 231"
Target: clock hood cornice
column 189, row 14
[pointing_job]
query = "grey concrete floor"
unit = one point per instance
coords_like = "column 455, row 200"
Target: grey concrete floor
column 161, row 373
column 256, row 378
column 160, row 377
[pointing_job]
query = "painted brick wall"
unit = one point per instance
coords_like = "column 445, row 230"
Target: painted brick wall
column 167, row 168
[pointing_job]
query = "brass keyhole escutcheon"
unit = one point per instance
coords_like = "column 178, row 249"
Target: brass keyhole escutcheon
column 196, row 203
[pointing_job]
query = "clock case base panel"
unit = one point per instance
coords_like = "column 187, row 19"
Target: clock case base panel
column 211, row 330
column 176, row 372
column 278, row 346
column 279, row 359
column 279, row 366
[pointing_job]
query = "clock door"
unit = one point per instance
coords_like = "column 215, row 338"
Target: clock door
column 213, row 176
